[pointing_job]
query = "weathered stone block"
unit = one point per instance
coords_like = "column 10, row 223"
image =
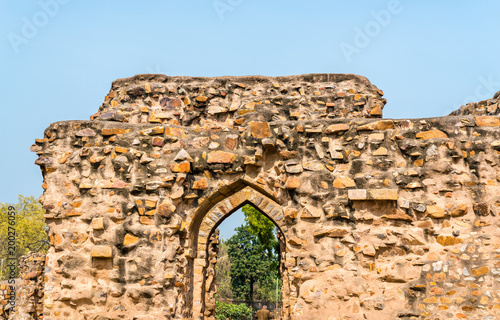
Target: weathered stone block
column 221, row 157
column 130, row 239
column 101, row 252
column 357, row 194
column 260, row 130
column 382, row 194
column 336, row 128
column 112, row 131
column 487, row 121
column 98, row 223
column 431, row 134
column 293, row 182
column 183, row 167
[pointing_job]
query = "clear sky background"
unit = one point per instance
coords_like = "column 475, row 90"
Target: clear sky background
column 59, row 57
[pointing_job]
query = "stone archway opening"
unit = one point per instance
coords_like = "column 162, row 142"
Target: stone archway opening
column 205, row 252
column 244, row 268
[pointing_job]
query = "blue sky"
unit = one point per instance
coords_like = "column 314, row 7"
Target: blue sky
column 59, row 57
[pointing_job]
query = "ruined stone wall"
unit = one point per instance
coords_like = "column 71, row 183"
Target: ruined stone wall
column 28, row 290
column 482, row 108
column 30, row 294
column 6, row 294
column 382, row 219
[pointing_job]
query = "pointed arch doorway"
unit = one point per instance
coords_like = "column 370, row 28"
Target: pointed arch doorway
column 202, row 229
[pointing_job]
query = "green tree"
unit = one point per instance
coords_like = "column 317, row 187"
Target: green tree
column 223, row 267
column 262, row 227
column 248, row 263
column 252, row 271
column 29, row 225
column 265, row 230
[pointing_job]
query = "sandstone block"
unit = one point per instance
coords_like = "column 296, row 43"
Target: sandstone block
column 435, row 212
column 260, row 130
column 487, row 121
column 379, row 125
column 448, row 240
column 480, row 271
column 221, row 157
column 357, row 194
column 112, row 131
column 399, row 215
column 183, row 167
column 112, row 184
column 311, row 212
column 313, row 166
column 158, row 142
column 369, row 250
column 73, row 213
column 343, row 182
column 146, row 220
column 336, row 128
column 291, row 213
column 296, row 241
column 380, row 152
column 231, row 142
column 153, row 131
column 101, row 252
column 200, row 184
column 331, row 232
column 382, row 194
column 459, row 211
column 130, row 239
column 293, row 167
column 431, row 134
column 293, row 182
column 86, row 133
column 98, row 223
column 175, row 132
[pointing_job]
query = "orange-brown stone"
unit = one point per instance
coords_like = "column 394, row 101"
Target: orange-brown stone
column 293, row 182
column 175, row 132
column 487, row 121
column 201, row 184
column 291, row 213
column 480, row 271
column 344, row 182
column 112, row 131
column 101, row 252
column 378, row 125
column 130, row 239
column 180, row 167
column 432, row 134
column 448, row 240
column 459, row 211
column 260, row 130
column 335, row 128
column 221, row 157
column 435, row 212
